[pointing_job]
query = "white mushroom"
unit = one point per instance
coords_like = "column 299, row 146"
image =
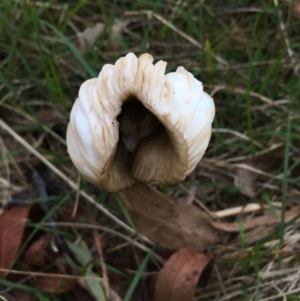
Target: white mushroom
column 134, row 123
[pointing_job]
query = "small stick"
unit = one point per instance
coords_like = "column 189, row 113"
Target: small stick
column 48, row 275
column 193, row 41
column 191, row 196
column 199, row 202
column 242, row 209
column 40, row 187
column 75, row 208
column 72, row 184
column 99, row 248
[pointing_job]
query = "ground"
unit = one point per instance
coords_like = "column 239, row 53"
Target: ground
column 246, row 55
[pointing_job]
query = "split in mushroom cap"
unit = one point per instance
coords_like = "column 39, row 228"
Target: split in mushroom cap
column 134, row 123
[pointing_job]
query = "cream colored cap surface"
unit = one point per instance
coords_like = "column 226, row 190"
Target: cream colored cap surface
column 162, row 144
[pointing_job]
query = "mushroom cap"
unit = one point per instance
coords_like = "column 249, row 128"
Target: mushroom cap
column 167, row 152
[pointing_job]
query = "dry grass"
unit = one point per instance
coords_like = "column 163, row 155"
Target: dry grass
column 246, row 55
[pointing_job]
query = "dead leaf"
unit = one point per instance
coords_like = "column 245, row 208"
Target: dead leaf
column 47, row 116
column 113, row 44
column 253, row 235
column 57, row 284
column 169, row 223
column 78, row 293
column 51, row 116
column 189, row 199
column 89, row 36
column 114, row 296
column 22, row 295
column 92, row 284
column 295, row 5
column 178, row 278
column 12, row 225
column 246, row 179
column 250, row 223
column 36, row 253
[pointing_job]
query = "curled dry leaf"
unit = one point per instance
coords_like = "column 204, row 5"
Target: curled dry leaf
column 169, row 223
column 12, row 225
column 245, row 179
column 178, row 278
column 250, row 223
column 89, row 36
column 116, row 30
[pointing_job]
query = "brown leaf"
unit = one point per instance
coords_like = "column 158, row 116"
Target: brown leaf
column 79, row 293
column 178, row 278
column 12, row 225
column 250, row 223
column 246, row 179
column 295, row 5
column 51, row 116
column 57, row 284
column 36, row 254
column 113, row 296
column 169, row 223
column 22, row 295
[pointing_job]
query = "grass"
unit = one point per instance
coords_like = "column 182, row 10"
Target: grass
column 245, row 53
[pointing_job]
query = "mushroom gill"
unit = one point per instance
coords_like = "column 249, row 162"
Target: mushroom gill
column 134, row 123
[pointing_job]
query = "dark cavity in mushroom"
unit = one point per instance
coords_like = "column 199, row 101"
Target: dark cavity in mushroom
column 136, row 122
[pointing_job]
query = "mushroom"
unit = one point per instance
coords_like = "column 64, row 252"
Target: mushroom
column 135, row 124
